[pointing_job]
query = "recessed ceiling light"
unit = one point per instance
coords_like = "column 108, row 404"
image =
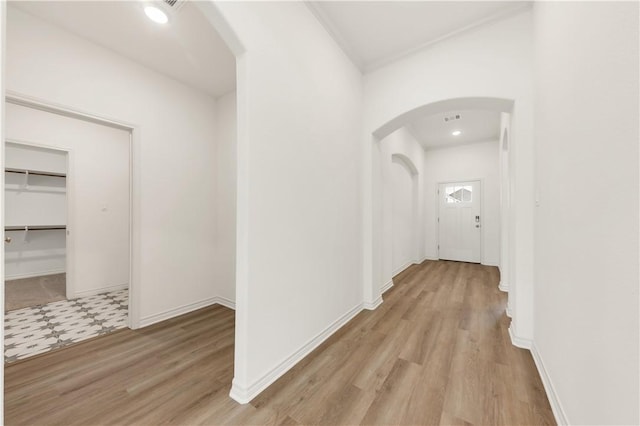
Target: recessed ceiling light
column 456, row 132
column 156, row 15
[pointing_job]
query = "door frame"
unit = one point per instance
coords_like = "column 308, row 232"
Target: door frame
column 482, row 214
column 133, row 317
column 70, row 198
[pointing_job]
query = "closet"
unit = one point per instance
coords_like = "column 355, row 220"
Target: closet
column 35, row 225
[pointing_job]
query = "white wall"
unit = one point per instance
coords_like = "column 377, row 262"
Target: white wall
column 21, row 156
column 491, row 61
column 174, row 149
column 403, row 202
column 298, row 253
column 30, row 199
column 587, row 267
column 226, row 146
column 477, row 161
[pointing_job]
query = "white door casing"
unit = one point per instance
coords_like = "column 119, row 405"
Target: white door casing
column 459, row 221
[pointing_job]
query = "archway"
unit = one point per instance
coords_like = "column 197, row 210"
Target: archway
column 401, row 215
column 373, row 288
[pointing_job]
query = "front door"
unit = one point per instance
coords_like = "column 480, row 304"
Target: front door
column 459, row 221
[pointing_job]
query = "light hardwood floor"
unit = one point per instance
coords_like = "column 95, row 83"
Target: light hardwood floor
column 436, row 352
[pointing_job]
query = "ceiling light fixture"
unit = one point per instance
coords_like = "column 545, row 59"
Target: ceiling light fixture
column 156, row 15
column 456, row 132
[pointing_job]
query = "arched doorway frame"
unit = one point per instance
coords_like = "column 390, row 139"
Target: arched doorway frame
column 374, row 285
column 414, row 171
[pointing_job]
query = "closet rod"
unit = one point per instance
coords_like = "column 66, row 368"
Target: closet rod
column 34, row 228
column 35, row 172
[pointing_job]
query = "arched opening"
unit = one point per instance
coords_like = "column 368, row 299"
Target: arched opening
column 403, row 183
column 380, row 252
column 403, row 194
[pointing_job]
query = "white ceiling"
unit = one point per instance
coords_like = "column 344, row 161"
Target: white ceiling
column 476, row 126
column 374, row 33
column 187, row 49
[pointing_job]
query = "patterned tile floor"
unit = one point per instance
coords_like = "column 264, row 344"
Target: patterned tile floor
column 34, row 330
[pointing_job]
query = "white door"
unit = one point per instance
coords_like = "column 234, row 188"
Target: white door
column 459, row 221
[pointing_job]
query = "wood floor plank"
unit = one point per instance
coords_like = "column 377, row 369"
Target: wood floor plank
column 436, row 352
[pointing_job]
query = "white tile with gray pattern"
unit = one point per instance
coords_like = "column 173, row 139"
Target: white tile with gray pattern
column 34, row 330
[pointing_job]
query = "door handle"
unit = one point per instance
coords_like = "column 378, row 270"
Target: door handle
column 7, row 240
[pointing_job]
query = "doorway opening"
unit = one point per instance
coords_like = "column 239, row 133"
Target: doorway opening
column 67, row 223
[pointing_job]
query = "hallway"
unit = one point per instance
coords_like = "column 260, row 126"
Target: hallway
column 436, row 352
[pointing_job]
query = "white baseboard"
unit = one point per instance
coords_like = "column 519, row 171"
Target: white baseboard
column 503, row 287
column 386, row 287
column 33, row 274
column 509, row 312
column 243, row 395
column 402, row 268
column 554, row 401
column 185, row 309
column 373, row 305
column 180, row 310
column 225, row 302
column 519, row 341
column 93, row 292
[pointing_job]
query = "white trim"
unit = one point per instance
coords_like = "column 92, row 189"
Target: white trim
column 373, row 305
column 32, row 275
column 552, row 395
column 386, row 287
column 503, row 286
column 402, row 268
column 336, row 35
column 180, row 310
column 225, row 302
column 93, row 292
column 32, row 102
column 3, row 125
column 244, row 395
column 508, row 312
column 518, row 341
